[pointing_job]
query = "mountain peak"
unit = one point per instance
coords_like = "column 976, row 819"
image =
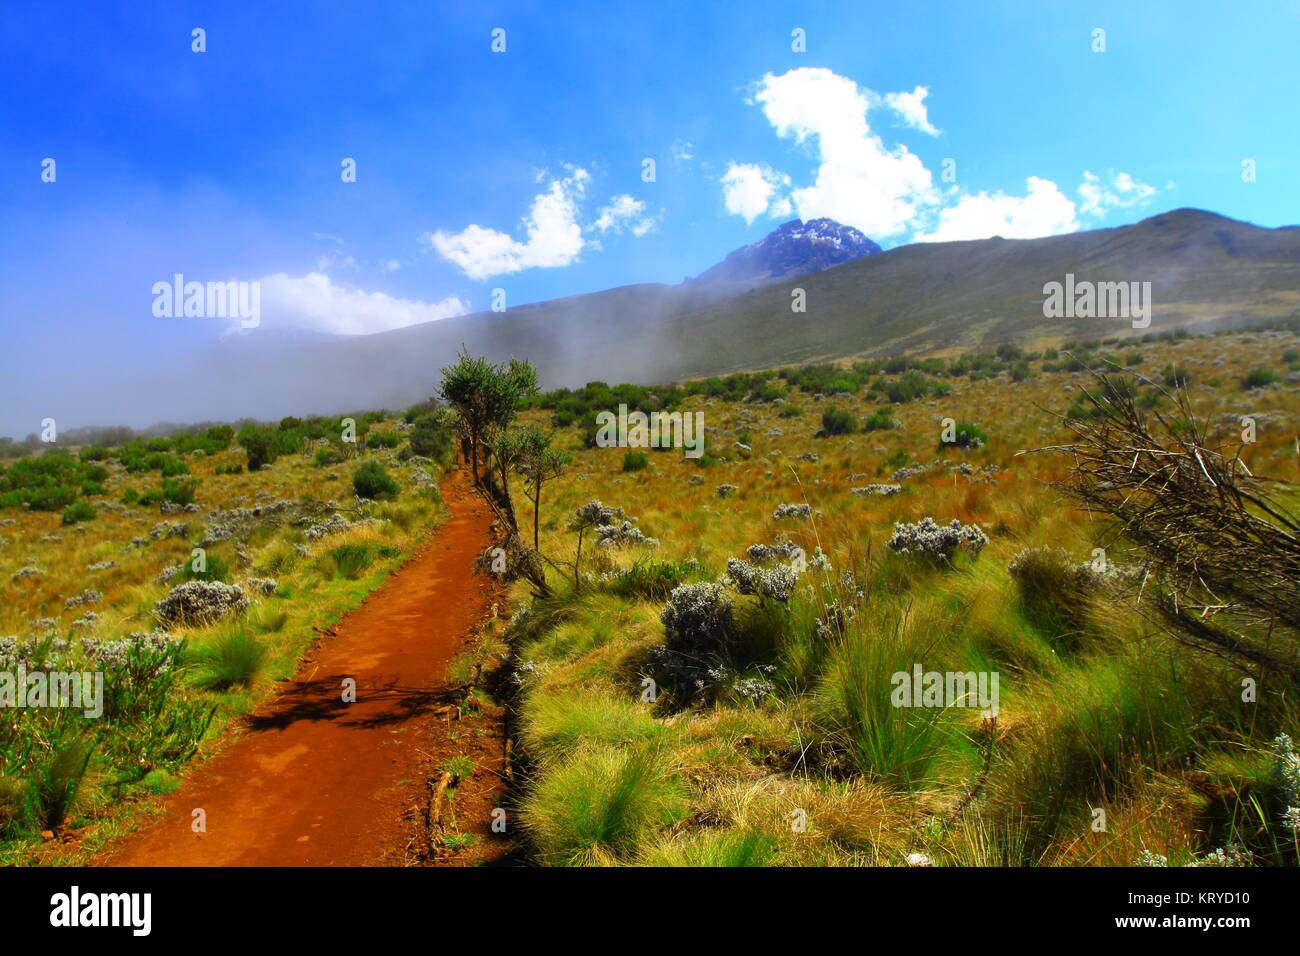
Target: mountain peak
column 790, row 250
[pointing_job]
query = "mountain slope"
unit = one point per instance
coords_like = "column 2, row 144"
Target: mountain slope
column 1205, row 270
column 792, row 250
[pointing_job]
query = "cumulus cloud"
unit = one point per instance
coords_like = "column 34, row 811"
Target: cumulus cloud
column 910, row 108
column 1117, row 191
column 623, row 212
column 858, row 181
column 314, row 302
column 554, row 236
column 749, row 188
column 1043, row 211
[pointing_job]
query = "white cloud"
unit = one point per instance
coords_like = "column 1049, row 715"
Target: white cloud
column 623, row 212
column 858, row 181
column 1122, row 191
column 910, row 108
column 1043, row 211
column 748, row 189
column 314, row 302
column 330, row 260
column 554, row 236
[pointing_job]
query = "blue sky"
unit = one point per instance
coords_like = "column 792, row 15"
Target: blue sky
column 226, row 164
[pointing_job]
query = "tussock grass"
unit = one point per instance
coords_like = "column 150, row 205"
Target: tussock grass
column 600, row 804
column 1097, row 711
column 555, row 725
column 235, row 658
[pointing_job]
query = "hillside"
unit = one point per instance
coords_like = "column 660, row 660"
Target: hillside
column 1206, row 270
column 794, row 249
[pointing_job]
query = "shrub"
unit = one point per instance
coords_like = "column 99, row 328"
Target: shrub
column 201, row 602
column 371, row 480
column 800, row 510
column 936, row 541
column 328, row 456
column 967, row 436
column 179, row 492
column 260, row 444
column 635, row 460
column 881, row 419
column 910, row 386
column 836, row 421
column 432, row 439
column 79, row 511
column 776, row 582
column 389, row 439
column 1021, row 372
column 1259, row 378
column 697, row 619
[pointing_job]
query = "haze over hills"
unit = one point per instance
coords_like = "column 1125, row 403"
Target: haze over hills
column 1206, row 270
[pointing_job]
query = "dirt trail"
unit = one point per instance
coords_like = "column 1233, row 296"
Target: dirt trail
column 316, row 782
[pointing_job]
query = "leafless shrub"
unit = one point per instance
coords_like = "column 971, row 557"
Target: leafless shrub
column 1223, row 554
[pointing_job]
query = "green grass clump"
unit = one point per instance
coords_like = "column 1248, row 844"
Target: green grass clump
column 897, row 744
column 836, row 421
column 600, row 805
column 557, row 724
column 78, row 512
column 213, row 567
column 635, row 461
column 716, row 848
column 654, row 580
column 352, row 560
column 880, row 420
column 966, row 435
column 1259, row 378
column 234, row 658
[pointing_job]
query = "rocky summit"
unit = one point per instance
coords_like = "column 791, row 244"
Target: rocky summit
column 794, row 249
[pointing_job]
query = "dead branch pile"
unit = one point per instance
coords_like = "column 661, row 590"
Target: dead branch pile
column 1223, row 555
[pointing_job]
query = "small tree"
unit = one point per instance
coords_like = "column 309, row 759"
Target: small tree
column 260, row 444
column 464, row 388
column 486, row 399
column 537, row 462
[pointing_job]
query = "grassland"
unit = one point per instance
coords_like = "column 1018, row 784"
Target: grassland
column 1112, row 743
column 82, row 592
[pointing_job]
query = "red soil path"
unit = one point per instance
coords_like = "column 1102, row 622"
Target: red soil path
column 317, row 782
